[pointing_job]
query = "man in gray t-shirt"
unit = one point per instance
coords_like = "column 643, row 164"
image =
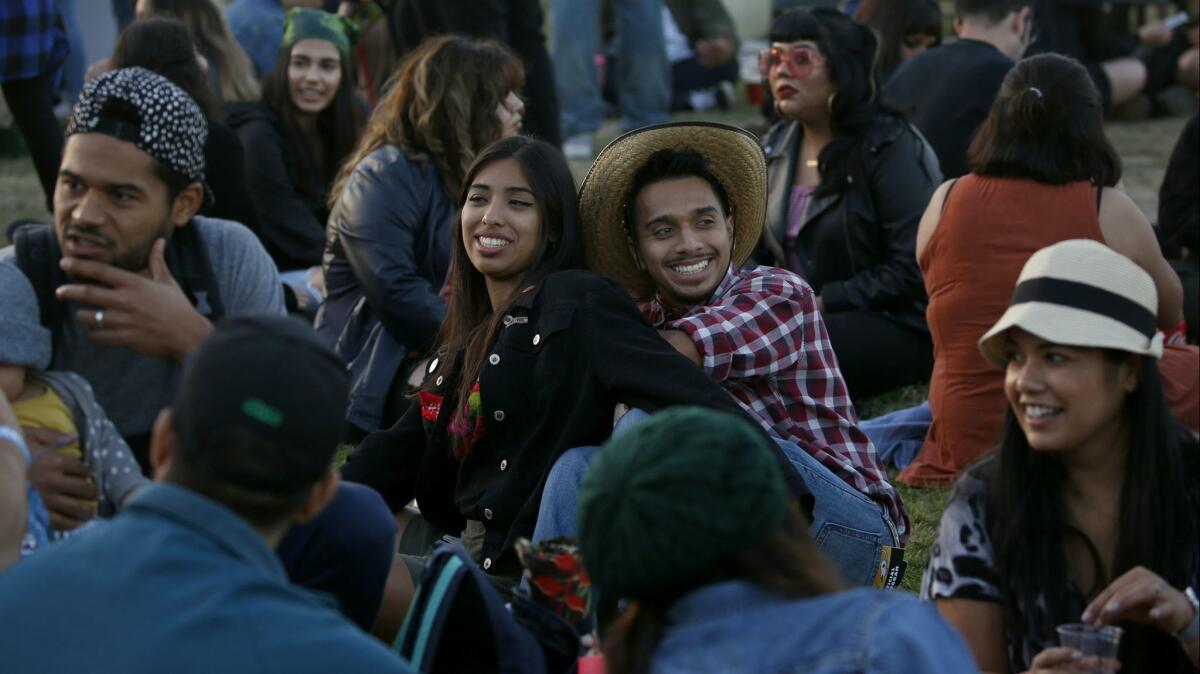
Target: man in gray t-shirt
column 130, row 183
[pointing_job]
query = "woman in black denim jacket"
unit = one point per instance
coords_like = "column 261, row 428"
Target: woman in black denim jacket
column 541, row 352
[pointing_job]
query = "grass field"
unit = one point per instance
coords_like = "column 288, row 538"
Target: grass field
column 1144, row 148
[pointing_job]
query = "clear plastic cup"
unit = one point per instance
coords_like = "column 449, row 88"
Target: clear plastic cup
column 1098, row 644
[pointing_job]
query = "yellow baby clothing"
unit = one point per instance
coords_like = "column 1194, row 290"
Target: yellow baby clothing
column 47, row 410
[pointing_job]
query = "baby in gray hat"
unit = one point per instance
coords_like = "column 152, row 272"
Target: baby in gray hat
column 59, row 401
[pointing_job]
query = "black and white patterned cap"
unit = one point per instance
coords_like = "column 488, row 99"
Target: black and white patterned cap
column 169, row 125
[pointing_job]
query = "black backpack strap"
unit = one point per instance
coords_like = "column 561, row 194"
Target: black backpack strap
column 37, row 256
column 189, row 262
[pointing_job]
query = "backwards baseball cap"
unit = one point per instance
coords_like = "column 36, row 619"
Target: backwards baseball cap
column 166, row 123
column 270, row 377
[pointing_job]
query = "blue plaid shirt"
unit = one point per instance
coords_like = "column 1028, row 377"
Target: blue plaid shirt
column 33, row 40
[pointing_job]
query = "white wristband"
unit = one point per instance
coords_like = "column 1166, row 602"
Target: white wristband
column 14, row 436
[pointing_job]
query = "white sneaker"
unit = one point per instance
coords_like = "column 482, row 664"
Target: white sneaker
column 578, row 146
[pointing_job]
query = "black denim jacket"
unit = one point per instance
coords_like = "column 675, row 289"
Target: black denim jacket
column 572, row 348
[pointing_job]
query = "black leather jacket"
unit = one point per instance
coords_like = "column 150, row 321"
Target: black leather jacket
column 572, row 348
column 858, row 247
column 387, row 251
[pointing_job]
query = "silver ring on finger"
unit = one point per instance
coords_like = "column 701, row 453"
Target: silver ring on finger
column 99, row 319
column 1158, row 588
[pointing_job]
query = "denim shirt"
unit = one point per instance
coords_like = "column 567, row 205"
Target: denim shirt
column 734, row 626
column 174, row 583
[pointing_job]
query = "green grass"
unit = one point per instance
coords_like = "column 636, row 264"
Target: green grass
column 924, row 505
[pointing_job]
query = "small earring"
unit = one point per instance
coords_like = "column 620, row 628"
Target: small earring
column 830, row 101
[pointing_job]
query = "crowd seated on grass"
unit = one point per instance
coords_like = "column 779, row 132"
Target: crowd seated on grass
column 613, row 426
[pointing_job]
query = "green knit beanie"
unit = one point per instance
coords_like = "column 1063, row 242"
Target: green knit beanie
column 671, row 497
column 303, row 23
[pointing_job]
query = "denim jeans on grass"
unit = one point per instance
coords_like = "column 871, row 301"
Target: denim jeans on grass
column 645, row 75
column 848, row 526
column 898, row 435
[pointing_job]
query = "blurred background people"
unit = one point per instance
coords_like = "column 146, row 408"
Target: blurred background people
column 905, row 28
column 230, row 72
column 642, row 68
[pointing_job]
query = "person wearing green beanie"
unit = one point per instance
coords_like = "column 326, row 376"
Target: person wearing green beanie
column 687, row 515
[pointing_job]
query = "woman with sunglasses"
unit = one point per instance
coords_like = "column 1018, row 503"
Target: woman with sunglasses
column 849, row 180
column 1088, row 510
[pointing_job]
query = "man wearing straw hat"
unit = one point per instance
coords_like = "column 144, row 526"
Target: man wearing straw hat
column 673, row 211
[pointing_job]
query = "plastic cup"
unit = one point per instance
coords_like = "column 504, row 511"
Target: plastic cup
column 1098, row 644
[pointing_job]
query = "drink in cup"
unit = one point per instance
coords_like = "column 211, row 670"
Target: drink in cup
column 1099, row 645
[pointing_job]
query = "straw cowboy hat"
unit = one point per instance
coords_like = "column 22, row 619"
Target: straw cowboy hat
column 1081, row 293
column 735, row 159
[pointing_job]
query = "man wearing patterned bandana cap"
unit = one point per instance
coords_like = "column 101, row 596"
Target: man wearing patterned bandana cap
column 130, row 280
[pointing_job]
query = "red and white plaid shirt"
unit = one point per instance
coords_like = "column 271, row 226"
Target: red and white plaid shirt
column 762, row 338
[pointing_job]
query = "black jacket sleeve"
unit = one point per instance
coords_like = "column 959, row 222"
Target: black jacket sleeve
column 288, row 222
column 646, row 372
column 389, row 461
column 384, row 205
column 1179, row 197
column 903, row 178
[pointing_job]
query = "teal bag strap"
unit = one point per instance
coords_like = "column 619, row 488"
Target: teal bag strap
column 428, row 613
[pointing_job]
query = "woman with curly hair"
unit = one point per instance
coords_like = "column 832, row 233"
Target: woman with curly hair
column 297, row 138
column 387, row 249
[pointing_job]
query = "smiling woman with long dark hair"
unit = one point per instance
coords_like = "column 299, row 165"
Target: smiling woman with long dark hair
column 299, row 135
column 1088, row 510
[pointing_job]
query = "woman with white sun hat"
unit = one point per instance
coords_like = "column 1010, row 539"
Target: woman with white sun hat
column 1088, row 510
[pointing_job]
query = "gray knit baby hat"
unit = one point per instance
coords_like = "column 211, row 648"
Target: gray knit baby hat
column 23, row 340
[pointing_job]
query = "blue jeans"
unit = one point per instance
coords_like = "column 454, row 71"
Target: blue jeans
column 645, row 74
column 898, row 435
column 848, row 526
